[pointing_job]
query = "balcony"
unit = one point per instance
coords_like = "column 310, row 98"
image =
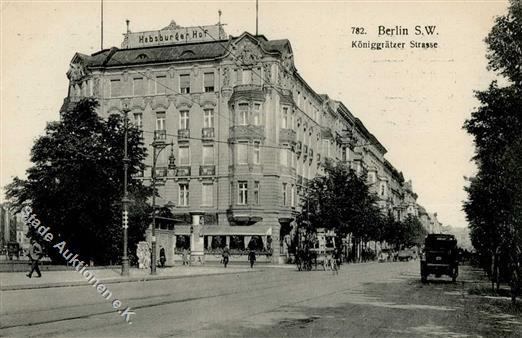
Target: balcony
column 287, row 136
column 183, row 171
column 160, row 137
column 247, row 132
column 183, row 134
column 207, row 170
column 346, row 138
column 326, row 133
column 207, row 133
column 161, row 172
column 248, row 92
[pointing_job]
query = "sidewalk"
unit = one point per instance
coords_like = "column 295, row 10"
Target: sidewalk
column 19, row 280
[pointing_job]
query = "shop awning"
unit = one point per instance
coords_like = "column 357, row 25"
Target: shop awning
column 258, row 230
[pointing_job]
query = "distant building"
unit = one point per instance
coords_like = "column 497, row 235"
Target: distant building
column 249, row 131
column 12, row 229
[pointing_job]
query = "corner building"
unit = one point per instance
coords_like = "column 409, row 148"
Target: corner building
column 248, row 131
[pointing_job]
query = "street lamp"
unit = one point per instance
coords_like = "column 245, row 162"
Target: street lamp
column 157, row 146
column 125, row 200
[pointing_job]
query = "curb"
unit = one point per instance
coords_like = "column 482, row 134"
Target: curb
column 112, row 281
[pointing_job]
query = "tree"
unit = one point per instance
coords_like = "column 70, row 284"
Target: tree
column 340, row 200
column 494, row 205
column 75, row 185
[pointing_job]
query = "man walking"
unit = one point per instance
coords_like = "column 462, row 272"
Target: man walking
column 35, row 254
column 226, row 254
column 252, row 258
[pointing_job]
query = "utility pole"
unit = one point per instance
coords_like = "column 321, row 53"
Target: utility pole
column 125, row 200
column 158, row 143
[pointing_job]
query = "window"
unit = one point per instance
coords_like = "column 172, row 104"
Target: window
column 115, row 88
column 242, row 155
column 243, row 114
column 292, row 196
column 160, row 120
column 208, row 82
column 284, row 118
column 184, row 156
column 207, row 192
column 256, row 193
column 284, row 194
column 138, row 120
column 284, row 157
column 183, row 195
column 383, row 189
column 292, row 159
column 161, row 84
column 257, row 114
column 208, row 118
column 208, row 154
column 257, row 152
column 247, row 76
column 184, row 119
column 242, row 198
column 138, row 86
column 292, row 126
column 371, row 177
column 184, row 84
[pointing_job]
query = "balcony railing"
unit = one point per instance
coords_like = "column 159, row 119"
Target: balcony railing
column 287, row 136
column 161, row 172
column 183, row 171
column 183, row 134
column 160, row 136
column 207, row 133
column 247, row 132
column 207, row 170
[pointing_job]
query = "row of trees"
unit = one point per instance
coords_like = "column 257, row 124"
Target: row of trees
column 341, row 200
column 494, row 205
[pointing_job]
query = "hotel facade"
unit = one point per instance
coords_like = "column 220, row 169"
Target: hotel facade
column 248, row 132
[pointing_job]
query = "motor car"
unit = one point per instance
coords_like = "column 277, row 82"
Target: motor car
column 440, row 257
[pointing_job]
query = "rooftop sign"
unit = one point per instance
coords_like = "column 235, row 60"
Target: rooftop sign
column 173, row 34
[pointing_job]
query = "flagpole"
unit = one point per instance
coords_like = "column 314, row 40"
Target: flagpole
column 257, row 14
column 101, row 31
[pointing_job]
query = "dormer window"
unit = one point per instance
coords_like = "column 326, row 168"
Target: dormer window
column 187, row 53
column 142, row 57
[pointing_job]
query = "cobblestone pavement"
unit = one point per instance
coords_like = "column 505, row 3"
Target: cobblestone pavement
column 363, row 300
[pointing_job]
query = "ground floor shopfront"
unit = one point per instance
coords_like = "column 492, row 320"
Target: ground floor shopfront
column 206, row 243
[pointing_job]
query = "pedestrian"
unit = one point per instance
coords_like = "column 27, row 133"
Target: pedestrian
column 162, row 257
column 226, row 255
column 252, row 258
column 35, row 254
column 184, row 256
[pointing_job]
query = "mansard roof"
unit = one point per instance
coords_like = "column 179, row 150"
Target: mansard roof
column 115, row 57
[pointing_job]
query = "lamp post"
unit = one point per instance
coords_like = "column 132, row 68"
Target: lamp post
column 125, row 200
column 158, row 145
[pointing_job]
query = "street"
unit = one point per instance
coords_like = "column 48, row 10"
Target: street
column 364, row 300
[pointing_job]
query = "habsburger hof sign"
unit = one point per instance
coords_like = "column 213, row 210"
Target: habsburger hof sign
column 173, row 34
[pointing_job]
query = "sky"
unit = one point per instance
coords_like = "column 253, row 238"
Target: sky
column 414, row 101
